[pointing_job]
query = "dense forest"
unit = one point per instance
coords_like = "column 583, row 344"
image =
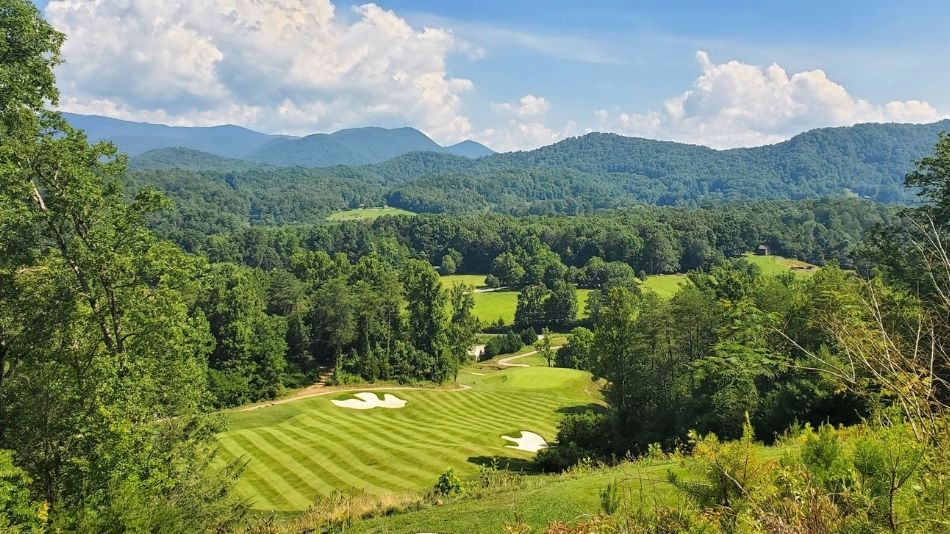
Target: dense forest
column 135, row 304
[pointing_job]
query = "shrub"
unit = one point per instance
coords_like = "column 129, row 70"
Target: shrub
column 448, row 484
column 493, row 282
column 579, row 436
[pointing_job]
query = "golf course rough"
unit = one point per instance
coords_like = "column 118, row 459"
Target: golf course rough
column 308, row 448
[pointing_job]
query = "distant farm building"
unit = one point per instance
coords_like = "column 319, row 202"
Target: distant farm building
column 763, row 250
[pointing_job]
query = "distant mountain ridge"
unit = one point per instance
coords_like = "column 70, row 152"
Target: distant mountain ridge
column 354, row 146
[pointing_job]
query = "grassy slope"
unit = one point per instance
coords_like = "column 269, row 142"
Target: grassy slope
column 664, row 285
column 299, row 450
column 776, row 264
column 545, row 498
column 366, row 214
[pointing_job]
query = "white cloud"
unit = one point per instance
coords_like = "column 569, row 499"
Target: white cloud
column 292, row 66
column 529, row 106
column 524, row 125
column 736, row 104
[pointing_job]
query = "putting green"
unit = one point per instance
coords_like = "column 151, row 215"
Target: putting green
column 306, row 448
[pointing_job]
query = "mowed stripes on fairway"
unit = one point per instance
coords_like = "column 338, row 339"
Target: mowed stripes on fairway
column 308, row 448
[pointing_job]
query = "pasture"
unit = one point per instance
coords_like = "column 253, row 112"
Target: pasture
column 366, row 214
column 310, row 447
column 773, row 265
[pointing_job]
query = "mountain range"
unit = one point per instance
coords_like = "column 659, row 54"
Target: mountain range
column 353, row 146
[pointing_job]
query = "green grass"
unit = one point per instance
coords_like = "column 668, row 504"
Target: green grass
column 492, row 305
column 664, row 285
column 310, row 447
column 476, row 280
column 773, row 265
column 546, row 498
column 365, row 214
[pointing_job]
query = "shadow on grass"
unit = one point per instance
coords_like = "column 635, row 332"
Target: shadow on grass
column 589, row 407
column 517, row 465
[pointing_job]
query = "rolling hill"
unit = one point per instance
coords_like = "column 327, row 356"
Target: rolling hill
column 578, row 175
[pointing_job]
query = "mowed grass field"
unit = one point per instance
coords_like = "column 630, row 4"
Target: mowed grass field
column 365, row 214
column 307, row 448
column 493, row 305
column 664, row 285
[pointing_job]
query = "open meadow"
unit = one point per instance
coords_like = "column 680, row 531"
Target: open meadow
column 365, row 214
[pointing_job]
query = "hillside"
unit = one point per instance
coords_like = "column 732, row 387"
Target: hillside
column 868, row 160
column 345, row 147
column 191, row 160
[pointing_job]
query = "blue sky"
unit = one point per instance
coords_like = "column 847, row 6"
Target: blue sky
column 520, row 74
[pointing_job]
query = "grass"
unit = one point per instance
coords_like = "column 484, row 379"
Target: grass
column 310, row 447
column 773, row 265
column 547, row 498
column 492, row 305
column 664, row 285
column 476, row 280
column 365, row 214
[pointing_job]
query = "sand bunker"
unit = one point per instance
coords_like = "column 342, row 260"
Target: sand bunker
column 368, row 401
column 529, row 441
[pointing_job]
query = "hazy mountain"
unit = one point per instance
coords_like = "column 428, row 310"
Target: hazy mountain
column 137, row 137
column 469, row 149
column 345, row 147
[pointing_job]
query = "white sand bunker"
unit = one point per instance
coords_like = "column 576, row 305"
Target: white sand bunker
column 529, row 441
column 368, row 401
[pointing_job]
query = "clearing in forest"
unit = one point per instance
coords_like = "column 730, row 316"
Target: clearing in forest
column 365, row 214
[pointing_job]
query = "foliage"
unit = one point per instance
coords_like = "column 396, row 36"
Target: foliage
column 102, row 354
column 18, row 512
column 448, row 484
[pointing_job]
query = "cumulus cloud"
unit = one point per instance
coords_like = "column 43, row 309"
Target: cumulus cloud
column 736, row 104
column 293, row 66
column 523, row 125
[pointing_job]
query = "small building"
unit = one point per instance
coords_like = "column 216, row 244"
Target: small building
column 763, row 250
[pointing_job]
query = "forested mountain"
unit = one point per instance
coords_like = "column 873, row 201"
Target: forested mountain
column 346, row 147
column 578, row 175
column 190, row 159
column 586, row 172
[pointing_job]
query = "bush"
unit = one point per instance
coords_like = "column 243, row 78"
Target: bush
column 579, row 436
column 448, row 484
column 492, row 281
